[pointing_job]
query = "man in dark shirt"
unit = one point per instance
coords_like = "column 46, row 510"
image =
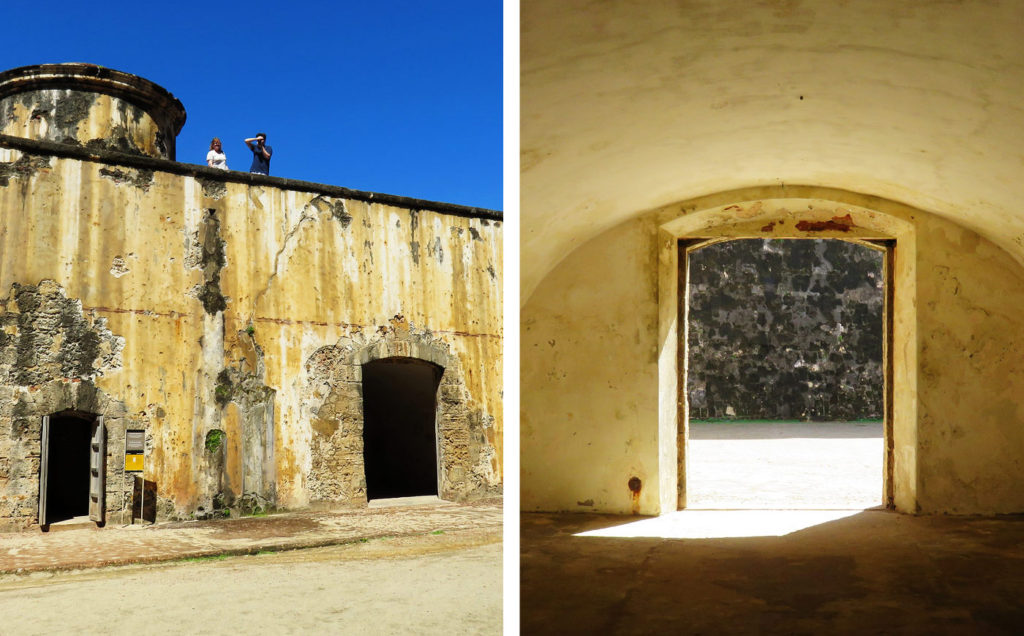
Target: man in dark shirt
column 260, row 153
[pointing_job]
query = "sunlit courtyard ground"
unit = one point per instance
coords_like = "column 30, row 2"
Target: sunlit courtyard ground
column 784, row 465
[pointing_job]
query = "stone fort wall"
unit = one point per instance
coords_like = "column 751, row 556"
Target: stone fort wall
column 785, row 329
column 224, row 314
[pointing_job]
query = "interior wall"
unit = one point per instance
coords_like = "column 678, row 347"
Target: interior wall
column 589, row 368
column 970, row 442
column 590, row 375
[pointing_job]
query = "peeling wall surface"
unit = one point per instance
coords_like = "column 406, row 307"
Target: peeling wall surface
column 646, row 123
column 84, row 119
column 228, row 319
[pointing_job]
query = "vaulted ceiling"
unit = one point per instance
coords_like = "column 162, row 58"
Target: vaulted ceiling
column 630, row 105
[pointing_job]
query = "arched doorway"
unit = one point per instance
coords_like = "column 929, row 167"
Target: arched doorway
column 400, row 427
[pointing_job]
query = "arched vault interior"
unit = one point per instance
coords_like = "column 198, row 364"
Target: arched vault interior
column 644, row 123
column 628, row 106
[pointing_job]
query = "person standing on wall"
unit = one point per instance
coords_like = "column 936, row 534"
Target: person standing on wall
column 260, row 153
column 216, row 157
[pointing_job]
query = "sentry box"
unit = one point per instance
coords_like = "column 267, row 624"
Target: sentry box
column 134, row 451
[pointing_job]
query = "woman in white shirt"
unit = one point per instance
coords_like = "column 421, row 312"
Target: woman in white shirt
column 216, row 157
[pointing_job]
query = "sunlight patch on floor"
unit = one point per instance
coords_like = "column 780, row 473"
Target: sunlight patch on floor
column 721, row 524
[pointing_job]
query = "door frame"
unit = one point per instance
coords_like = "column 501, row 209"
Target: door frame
column 888, row 248
column 97, row 464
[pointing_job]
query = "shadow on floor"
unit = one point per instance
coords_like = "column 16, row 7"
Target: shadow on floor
column 871, row 572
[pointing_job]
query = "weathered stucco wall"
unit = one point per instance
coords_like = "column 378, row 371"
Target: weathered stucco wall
column 593, row 405
column 589, row 390
column 970, row 380
column 84, row 119
column 197, row 302
column 90, row 106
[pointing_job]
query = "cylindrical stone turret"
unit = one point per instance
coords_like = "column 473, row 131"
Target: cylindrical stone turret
column 91, row 106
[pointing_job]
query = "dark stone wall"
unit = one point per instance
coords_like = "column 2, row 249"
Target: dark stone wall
column 785, row 329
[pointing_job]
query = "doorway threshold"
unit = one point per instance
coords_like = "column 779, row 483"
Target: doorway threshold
column 420, row 500
column 74, row 523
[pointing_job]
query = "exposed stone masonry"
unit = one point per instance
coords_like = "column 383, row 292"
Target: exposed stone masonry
column 785, row 329
column 49, row 354
column 334, row 400
column 205, row 250
column 45, row 336
column 24, row 167
column 97, row 203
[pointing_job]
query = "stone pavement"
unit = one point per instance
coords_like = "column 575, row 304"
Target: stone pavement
column 33, row 551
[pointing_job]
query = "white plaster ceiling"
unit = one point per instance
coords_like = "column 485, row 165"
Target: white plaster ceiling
column 630, row 105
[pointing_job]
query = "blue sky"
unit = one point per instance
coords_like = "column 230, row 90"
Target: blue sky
column 394, row 96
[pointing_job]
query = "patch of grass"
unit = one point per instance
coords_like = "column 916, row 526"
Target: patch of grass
column 437, row 532
column 213, row 440
column 203, row 559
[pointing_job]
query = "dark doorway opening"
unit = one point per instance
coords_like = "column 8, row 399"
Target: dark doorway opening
column 399, row 427
column 67, row 479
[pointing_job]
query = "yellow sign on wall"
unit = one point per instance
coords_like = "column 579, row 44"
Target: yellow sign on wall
column 133, row 462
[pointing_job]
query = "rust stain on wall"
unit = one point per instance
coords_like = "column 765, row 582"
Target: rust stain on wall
column 635, row 486
column 838, row 223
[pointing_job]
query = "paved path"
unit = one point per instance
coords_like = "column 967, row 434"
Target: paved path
column 25, row 552
column 784, row 465
column 425, row 584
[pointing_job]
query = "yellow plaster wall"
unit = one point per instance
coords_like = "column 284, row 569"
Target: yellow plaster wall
column 293, row 272
column 970, row 381
column 630, row 105
column 103, row 114
column 589, row 367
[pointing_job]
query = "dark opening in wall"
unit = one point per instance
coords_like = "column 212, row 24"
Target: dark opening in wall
column 67, row 481
column 399, row 427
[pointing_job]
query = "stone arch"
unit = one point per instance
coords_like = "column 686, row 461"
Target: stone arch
column 335, row 408
column 790, row 212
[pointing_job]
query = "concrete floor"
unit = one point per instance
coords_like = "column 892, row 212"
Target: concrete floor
column 874, row 572
column 727, row 565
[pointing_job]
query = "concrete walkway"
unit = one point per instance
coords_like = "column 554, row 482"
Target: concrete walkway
column 25, row 552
